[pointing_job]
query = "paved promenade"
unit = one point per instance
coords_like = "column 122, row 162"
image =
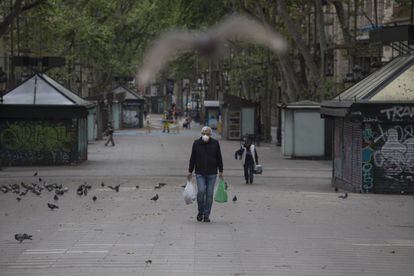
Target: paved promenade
column 289, row 222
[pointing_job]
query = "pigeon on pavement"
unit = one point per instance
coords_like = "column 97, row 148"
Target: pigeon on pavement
column 56, row 197
column 52, row 206
column 94, row 198
column 155, row 198
column 343, row 196
column 234, row 198
column 35, row 174
column 22, row 237
column 116, row 188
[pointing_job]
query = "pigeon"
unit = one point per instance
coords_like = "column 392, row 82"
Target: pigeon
column 27, row 187
column 116, row 188
column 52, row 206
column 162, row 184
column 234, row 198
column 336, row 189
column 155, row 198
column 22, row 237
column 23, row 193
column 137, row 187
column 56, row 197
column 35, row 174
column 59, row 192
column 85, row 191
column 49, row 187
column 212, row 43
column 343, row 196
column 102, row 184
column 94, row 198
column 79, row 191
column 18, row 198
column 4, row 189
column 148, row 261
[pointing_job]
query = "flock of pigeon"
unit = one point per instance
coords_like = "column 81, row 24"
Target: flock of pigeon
column 58, row 189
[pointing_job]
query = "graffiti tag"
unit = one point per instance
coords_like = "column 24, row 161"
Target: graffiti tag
column 398, row 112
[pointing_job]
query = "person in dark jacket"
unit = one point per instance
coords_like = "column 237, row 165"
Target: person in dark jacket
column 110, row 133
column 250, row 160
column 206, row 160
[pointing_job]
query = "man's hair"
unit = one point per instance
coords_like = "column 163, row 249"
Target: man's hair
column 206, row 129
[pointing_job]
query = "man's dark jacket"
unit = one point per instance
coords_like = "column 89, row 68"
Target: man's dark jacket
column 206, row 157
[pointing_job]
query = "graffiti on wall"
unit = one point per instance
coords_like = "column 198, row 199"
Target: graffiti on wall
column 367, row 162
column 130, row 117
column 32, row 142
column 389, row 149
column 398, row 113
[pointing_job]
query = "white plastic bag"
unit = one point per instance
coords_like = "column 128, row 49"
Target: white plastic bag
column 189, row 193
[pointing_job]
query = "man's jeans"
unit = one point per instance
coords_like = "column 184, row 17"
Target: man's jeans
column 205, row 187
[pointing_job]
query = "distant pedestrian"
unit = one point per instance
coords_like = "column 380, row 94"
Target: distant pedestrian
column 166, row 122
column 110, row 132
column 148, row 123
column 206, row 160
column 250, row 160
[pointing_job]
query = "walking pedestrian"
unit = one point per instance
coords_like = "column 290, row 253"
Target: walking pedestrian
column 250, row 160
column 166, row 122
column 206, row 160
column 148, row 123
column 110, row 132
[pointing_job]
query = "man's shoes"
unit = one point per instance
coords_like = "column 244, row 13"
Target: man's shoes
column 206, row 219
column 199, row 217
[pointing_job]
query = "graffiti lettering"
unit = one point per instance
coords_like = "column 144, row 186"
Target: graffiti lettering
column 367, row 177
column 398, row 112
column 18, row 157
column 36, row 136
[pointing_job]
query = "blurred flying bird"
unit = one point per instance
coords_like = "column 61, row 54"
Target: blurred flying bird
column 22, row 237
column 52, row 206
column 155, row 198
column 210, row 43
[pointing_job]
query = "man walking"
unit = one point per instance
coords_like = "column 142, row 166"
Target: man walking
column 110, row 133
column 206, row 159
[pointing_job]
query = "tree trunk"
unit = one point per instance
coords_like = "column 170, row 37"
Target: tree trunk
column 16, row 10
column 321, row 35
column 343, row 22
column 301, row 44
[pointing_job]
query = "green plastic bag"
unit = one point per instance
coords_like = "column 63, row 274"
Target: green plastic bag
column 221, row 194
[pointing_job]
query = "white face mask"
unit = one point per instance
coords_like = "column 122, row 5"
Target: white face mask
column 205, row 138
